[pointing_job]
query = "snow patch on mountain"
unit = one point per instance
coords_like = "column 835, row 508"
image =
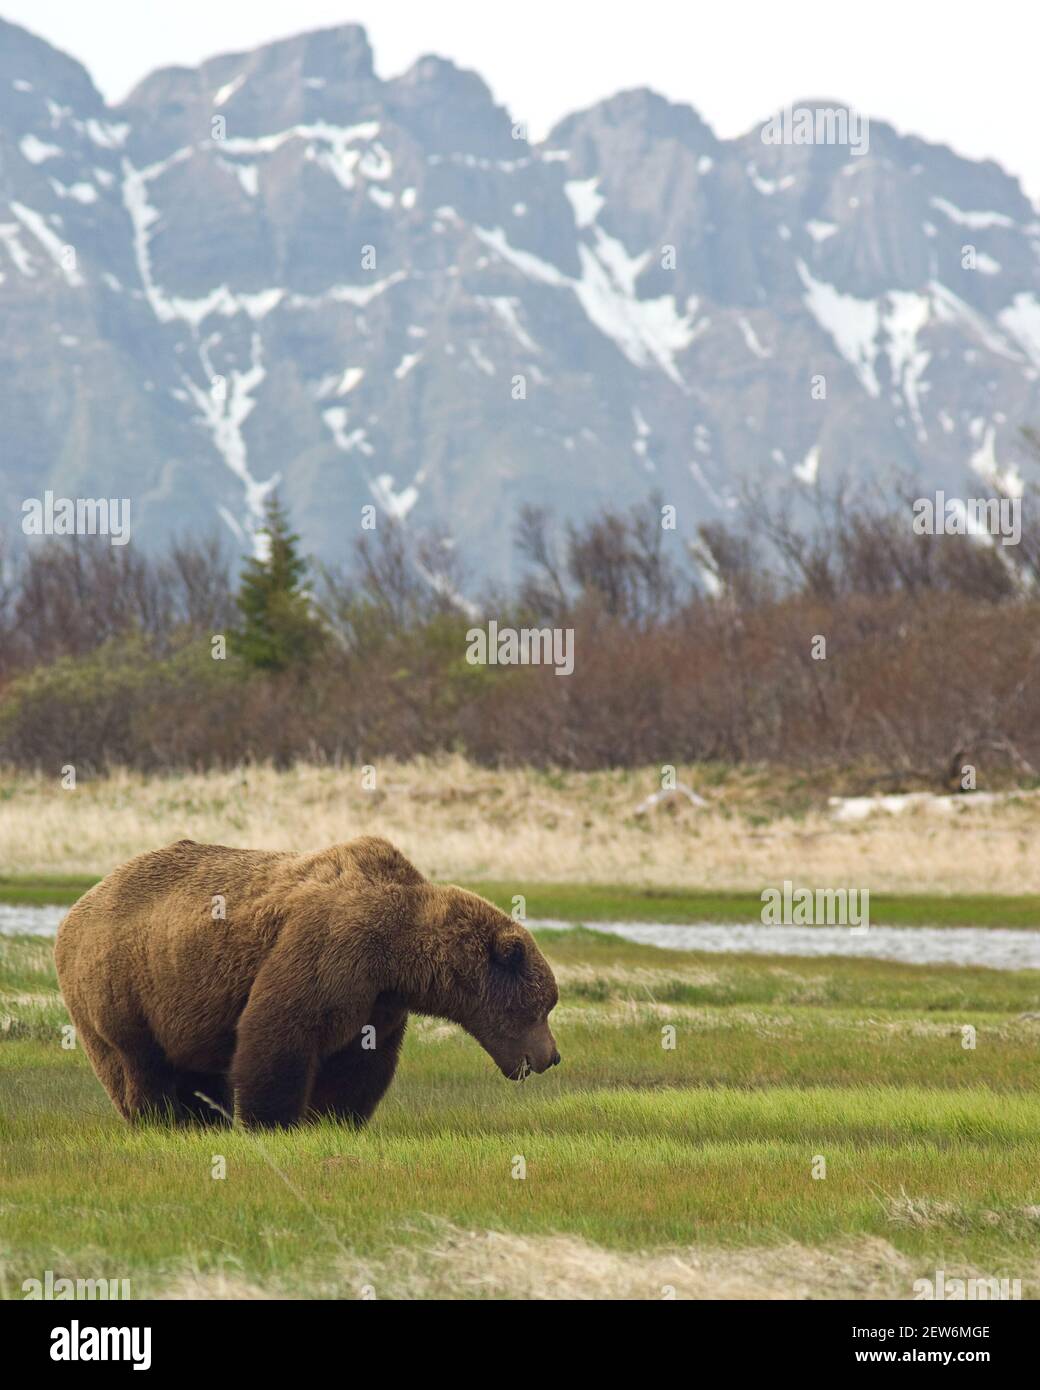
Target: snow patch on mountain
column 984, row 462
column 584, row 200
column 647, row 331
column 358, row 295
column 949, row 308
column 479, row 359
column 108, row 135
column 505, row 308
column 533, row 267
column 36, row 150
column 58, row 251
column 851, row 323
column 808, row 470
column 225, row 93
column 751, row 338
column 905, row 315
column 224, row 404
column 395, row 504
column 407, row 362
column 350, row 378
column 976, row 220
column 1021, row 318
column 23, row 262
column 247, row 175
column 84, row 193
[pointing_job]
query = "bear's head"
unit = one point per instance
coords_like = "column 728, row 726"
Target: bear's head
column 500, row 986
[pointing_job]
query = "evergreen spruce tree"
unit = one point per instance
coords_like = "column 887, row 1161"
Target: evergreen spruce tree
column 279, row 628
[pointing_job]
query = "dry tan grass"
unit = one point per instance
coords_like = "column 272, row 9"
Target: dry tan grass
column 633, row 981
column 633, row 1012
column 458, row 821
column 496, row 1265
column 931, row 1213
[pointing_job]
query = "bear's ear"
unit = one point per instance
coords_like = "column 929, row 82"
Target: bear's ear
column 507, row 949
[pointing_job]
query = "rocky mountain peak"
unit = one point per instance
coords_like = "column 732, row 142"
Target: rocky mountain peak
column 277, row 269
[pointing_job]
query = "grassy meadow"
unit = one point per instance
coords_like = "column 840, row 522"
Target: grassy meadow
column 648, row 1170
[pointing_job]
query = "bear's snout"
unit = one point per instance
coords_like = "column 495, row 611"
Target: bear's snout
column 529, row 1053
column 542, row 1052
column 553, row 1060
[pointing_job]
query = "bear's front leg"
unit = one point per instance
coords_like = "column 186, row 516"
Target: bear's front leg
column 271, row 1078
column 294, row 1007
column 351, row 1083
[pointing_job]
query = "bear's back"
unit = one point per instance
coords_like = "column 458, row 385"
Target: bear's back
column 178, row 890
column 173, row 892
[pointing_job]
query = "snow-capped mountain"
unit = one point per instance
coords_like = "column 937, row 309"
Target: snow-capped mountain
column 278, row 268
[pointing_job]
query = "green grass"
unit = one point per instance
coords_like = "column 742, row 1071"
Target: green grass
column 59, row 890
column 577, row 902
column 931, row 1149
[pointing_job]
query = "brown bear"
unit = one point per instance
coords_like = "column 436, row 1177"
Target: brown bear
column 203, row 979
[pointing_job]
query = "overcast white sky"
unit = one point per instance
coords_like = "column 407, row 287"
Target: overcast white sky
column 957, row 71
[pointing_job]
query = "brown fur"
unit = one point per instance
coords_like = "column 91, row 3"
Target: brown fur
column 263, row 1011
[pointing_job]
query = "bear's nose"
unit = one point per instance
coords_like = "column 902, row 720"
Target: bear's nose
column 555, row 1060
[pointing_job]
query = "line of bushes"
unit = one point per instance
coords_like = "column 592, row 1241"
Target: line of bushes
column 682, row 652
